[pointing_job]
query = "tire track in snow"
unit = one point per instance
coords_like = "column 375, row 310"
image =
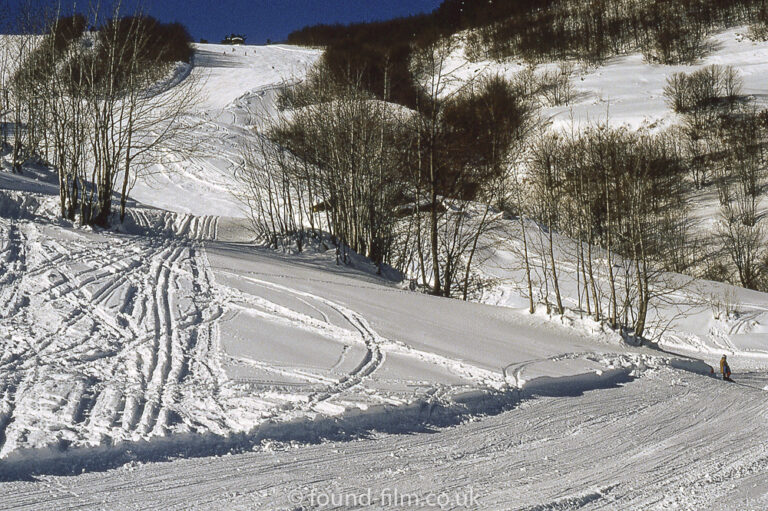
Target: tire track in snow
column 173, row 352
column 371, row 361
column 16, row 261
column 86, row 304
column 204, row 375
column 151, row 407
column 81, row 400
column 175, row 342
column 108, row 291
column 16, row 256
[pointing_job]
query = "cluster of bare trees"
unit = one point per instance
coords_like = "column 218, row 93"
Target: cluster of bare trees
column 424, row 191
column 620, row 195
column 96, row 104
column 666, row 32
column 739, row 162
column 722, row 142
column 708, row 87
column 551, row 86
column 707, row 99
column 424, row 188
column 334, row 164
column 389, row 182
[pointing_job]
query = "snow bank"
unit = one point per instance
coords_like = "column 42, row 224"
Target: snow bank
column 446, row 408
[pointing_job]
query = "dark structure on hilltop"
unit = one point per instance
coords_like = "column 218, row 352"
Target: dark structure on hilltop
column 234, row 39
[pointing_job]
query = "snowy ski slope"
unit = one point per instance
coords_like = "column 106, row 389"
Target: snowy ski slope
column 176, row 337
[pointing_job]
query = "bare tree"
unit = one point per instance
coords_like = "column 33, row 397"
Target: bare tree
column 430, row 68
column 109, row 100
column 740, row 182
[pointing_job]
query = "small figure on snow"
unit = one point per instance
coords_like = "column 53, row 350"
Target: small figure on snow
column 725, row 369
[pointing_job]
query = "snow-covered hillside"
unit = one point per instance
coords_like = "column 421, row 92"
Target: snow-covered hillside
column 174, row 336
column 625, row 90
column 708, row 319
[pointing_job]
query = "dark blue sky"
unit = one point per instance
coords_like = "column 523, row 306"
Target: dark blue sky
column 265, row 19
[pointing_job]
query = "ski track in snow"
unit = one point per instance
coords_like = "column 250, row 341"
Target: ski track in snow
column 109, row 338
column 376, row 347
column 100, row 338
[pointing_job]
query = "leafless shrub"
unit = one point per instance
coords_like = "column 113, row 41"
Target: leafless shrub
column 708, row 87
column 555, row 85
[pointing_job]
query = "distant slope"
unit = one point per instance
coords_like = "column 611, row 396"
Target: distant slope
column 237, row 84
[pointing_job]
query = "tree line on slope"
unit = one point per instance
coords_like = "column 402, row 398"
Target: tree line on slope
column 664, row 32
column 723, row 138
column 86, row 96
column 376, row 175
column 426, row 190
column 533, row 30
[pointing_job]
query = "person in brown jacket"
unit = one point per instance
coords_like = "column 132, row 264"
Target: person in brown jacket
column 725, row 369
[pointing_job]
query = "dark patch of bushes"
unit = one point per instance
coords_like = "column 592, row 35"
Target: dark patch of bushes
column 123, row 46
column 40, row 63
column 175, row 43
column 67, row 29
column 133, row 45
column 144, row 39
column 541, row 30
column 378, row 54
column 537, row 30
column 480, row 125
column 707, row 87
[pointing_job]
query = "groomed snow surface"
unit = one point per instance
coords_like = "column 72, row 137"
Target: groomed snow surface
column 173, row 364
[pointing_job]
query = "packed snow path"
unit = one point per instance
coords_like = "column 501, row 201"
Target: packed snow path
column 668, row 440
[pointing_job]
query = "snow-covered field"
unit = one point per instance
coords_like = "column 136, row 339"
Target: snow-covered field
column 173, row 364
